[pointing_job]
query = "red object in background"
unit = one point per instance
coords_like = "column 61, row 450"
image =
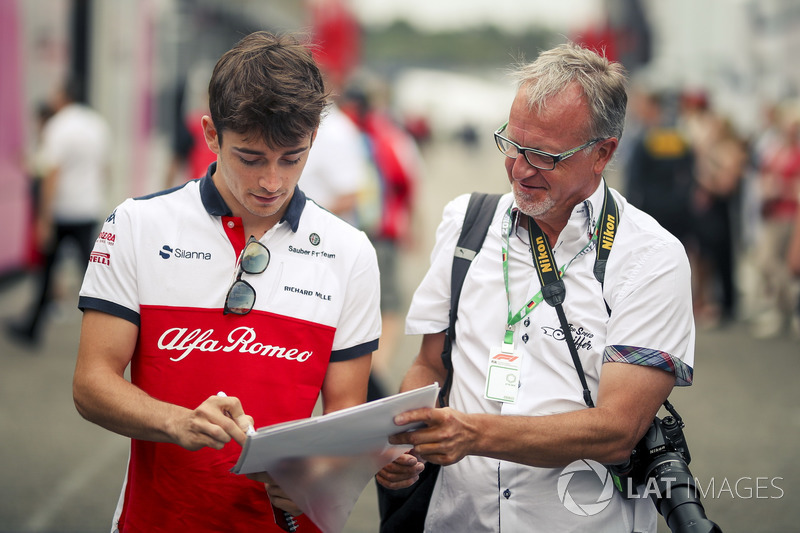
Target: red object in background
column 16, row 251
column 601, row 40
column 624, row 35
column 337, row 36
column 200, row 155
column 391, row 149
column 33, row 257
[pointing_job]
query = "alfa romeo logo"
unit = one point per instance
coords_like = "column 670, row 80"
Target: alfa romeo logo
column 585, row 487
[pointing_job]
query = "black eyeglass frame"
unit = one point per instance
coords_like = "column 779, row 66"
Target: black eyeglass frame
column 252, row 241
column 525, row 151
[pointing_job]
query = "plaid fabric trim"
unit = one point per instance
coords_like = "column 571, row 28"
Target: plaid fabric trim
column 647, row 357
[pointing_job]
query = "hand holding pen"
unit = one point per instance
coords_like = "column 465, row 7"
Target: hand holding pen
column 213, row 424
column 232, row 409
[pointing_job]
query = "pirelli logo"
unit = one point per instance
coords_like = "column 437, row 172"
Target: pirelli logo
column 100, row 257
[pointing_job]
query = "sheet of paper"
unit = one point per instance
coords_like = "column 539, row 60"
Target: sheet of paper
column 323, row 463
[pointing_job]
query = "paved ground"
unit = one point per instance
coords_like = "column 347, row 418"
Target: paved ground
column 61, row 474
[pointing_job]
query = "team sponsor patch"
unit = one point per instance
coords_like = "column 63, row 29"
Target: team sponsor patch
column 306, row 292
column 101, row 258
column 167, row 252
column 311, row 253
column 106, row 237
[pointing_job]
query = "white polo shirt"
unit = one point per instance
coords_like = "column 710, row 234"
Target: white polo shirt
column 77, row 142
column 338, row 163
column 647, row 287
column 165, row 263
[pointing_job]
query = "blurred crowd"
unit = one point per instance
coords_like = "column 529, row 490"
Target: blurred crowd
column 732, row 199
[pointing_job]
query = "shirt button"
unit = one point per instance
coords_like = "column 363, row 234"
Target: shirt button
column 231, row 224
column 507, row 493
column 527, row 322
column 525, row 338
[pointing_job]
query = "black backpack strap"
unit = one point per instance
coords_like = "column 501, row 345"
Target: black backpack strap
column 479, row 215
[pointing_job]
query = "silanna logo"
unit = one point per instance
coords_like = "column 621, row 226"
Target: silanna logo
column 179, row 253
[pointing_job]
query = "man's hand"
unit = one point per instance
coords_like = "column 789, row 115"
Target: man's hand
column 448, row 437
column 213, row 424
column 277, row 496
column 401, row 473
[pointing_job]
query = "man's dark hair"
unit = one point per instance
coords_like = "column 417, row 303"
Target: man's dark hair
column 267, row 85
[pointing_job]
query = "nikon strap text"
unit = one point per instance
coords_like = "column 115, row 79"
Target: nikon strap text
column 553, row 289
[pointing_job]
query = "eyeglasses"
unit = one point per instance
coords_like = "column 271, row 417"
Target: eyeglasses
column 535, row 158
column 241, row 297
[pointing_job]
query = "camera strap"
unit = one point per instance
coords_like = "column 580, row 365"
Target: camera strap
column 553, row 288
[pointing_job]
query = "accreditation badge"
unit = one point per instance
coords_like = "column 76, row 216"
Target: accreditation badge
column 502, row 378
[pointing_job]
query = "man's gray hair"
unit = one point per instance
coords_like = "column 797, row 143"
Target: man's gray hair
column 603, row 83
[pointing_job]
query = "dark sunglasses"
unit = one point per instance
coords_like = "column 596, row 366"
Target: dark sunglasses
column 241, row 297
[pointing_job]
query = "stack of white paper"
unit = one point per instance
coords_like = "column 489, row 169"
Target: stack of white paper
column 323, row 463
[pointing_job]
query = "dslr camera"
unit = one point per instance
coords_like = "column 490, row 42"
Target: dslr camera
column 663, row 457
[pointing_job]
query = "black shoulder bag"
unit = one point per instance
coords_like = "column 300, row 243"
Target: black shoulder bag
column 404, row 510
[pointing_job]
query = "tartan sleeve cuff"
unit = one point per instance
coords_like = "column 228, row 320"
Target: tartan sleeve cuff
column 647, row 357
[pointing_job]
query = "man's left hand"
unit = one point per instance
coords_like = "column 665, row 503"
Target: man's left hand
column 448, row 437
column 277, row 496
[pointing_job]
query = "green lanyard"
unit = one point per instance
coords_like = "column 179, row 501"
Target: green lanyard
column 543, row 259
column 537, row 298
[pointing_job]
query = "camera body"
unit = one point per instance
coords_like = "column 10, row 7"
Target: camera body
column 663, row 443
column 663, row 457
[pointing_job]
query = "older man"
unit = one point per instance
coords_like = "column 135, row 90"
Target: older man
column 527, row 456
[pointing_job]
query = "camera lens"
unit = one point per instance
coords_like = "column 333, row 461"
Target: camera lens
column 676, row 498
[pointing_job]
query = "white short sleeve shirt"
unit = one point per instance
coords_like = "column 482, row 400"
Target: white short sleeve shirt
column 647, row 288
column 77, row 142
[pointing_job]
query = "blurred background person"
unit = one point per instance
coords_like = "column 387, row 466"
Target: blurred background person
column 385, row 207
column 720, row 168
column 336, row 170
column 659, row 175
column 75, row 146
column 363, row 165
column 793, row 255
column 190, row 153
column 36, row 172
column 779, row 180
column 793, row 262
column 761, row 142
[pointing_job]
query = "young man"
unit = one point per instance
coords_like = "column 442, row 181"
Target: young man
column 295, row 315
column 504, row 454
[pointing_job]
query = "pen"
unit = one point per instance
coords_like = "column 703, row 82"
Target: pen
column 250, row 429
